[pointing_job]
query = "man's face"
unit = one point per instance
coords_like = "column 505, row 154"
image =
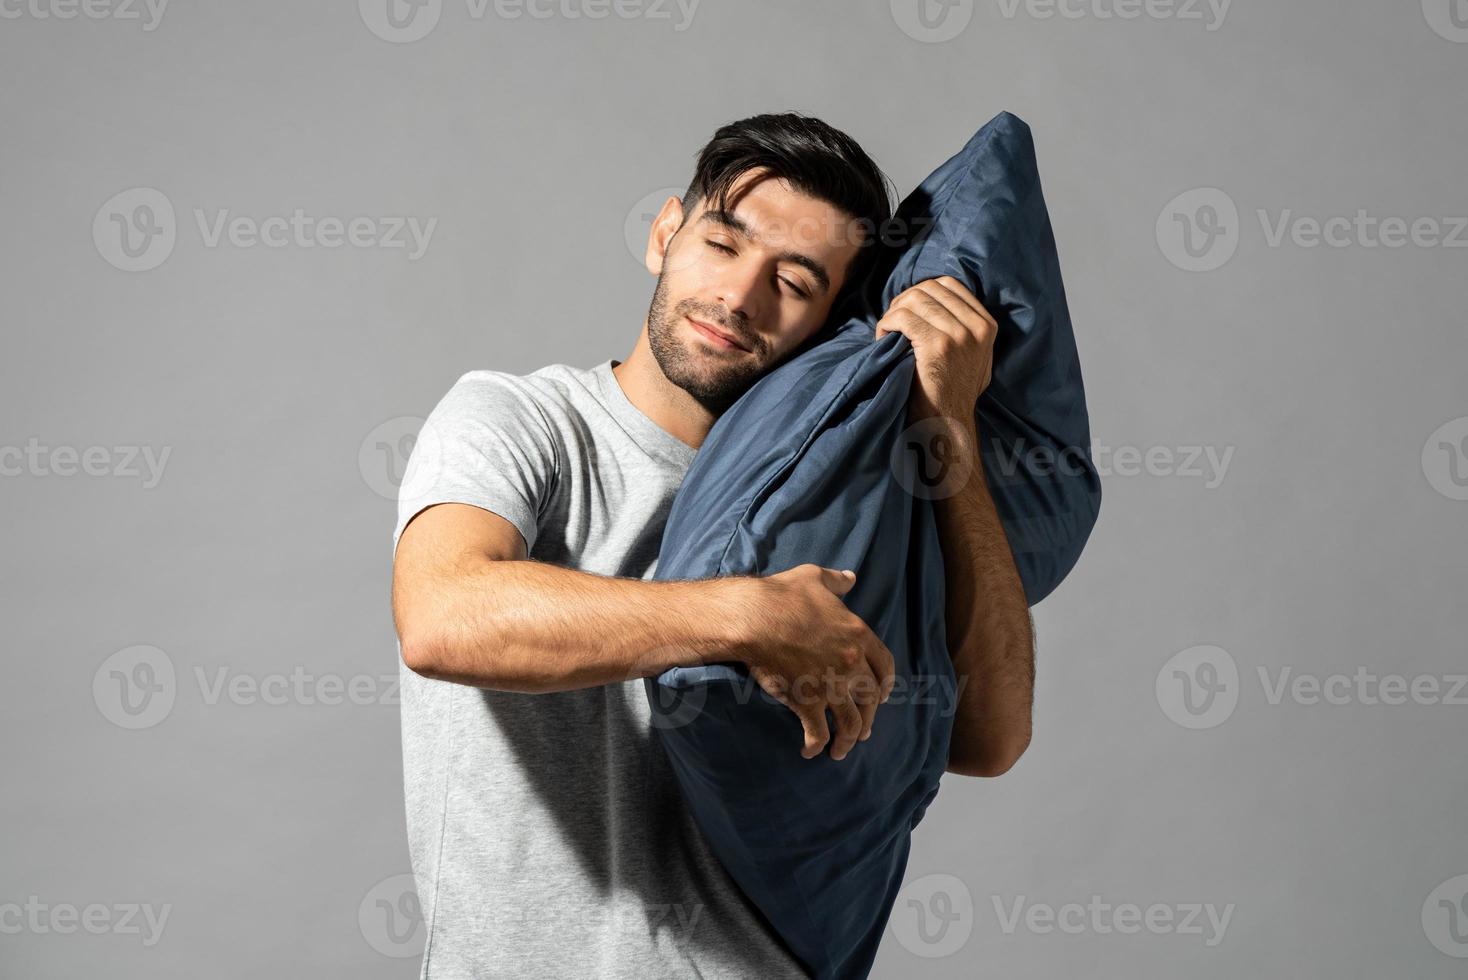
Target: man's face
column 739, row 290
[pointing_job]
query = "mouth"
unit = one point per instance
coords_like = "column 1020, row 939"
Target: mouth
column 715, row 336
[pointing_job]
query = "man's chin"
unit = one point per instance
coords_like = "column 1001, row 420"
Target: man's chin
column 715, row 386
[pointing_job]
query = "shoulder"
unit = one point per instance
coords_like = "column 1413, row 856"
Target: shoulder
column 550, row 405
column 548, row 387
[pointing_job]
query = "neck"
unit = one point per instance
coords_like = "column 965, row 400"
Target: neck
column 672, row 408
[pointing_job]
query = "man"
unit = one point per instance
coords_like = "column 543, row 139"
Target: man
column 547, row 833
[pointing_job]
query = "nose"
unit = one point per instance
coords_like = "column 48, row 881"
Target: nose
column 738, row 291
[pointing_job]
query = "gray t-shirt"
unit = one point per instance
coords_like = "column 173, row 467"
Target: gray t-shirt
column 547, row 832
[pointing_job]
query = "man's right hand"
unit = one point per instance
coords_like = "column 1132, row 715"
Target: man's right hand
column 807, row 650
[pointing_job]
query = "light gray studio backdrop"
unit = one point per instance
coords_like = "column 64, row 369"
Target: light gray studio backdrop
column 246, row 247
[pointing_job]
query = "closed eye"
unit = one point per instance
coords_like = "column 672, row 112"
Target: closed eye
column 720, row 246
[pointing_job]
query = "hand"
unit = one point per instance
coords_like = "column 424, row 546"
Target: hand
column 952, row 338
column 809, row 652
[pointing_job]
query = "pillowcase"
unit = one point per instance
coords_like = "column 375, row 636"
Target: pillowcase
column 815, row 463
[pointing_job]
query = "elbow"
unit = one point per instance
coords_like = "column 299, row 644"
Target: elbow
column 420, row 653
column 990, row 760
column 430, row 655
column 417, row 655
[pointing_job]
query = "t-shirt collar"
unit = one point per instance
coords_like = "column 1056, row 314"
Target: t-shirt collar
column 648, row 434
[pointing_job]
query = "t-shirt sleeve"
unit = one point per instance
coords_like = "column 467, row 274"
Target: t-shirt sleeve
column 486, row 443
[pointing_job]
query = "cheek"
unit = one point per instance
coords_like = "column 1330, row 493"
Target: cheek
column 690, row 266
column 792, row 335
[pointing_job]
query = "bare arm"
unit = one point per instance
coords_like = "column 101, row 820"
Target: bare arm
column 470, row 608
column 990, row 632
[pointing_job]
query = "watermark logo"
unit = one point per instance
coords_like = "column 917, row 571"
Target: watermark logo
column 1198, row 231
column 1445, row 917
column 1206, row 463
column 1102, row 918
column 37, row 460
column 135, row 688
column 1447, row 18
column 637, row 226
column 300, row 686
column 1212, row 13
column 933, row 916
column 933, row 458
column 1362, row 687
column 401, row 458
column 400, row 21
column 150, row 12
column 932, row 21
column 390, row 917
column 1199, row 687
column 135, row 230
column 40, row 918
column 1445, row 459
column 670, row 707
column 305, row 231
column 1361, row 230
column 406, row 21
column 802, row 233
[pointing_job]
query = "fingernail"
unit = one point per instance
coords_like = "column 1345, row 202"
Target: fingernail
column 848, row 572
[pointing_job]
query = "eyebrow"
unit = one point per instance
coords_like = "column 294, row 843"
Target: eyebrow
column 738, row 225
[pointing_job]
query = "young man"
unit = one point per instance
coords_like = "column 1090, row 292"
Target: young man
column 547, row 833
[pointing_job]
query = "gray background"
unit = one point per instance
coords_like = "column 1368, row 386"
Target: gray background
column 286, row 383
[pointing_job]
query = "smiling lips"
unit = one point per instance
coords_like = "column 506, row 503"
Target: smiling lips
column 716, row 336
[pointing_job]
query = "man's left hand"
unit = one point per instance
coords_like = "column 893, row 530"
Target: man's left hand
column 952, row 338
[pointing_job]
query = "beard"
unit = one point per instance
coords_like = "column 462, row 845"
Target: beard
column 714, row 379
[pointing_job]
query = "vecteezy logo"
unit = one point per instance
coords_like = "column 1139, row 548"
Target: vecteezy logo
column 668, row 707
column 391, row 917
column 135, row 230
column 400, row 21
column 135, row 688
column 1445, row 917
column 932, row 21
column 1199, row 687
column 1445, row 459
column 401, row 458
column 1198, row 231
column 933, row 916
column 1447, row 18
column 637, row 226
column 932, row 459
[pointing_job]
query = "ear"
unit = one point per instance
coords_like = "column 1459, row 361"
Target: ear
column 664, row 227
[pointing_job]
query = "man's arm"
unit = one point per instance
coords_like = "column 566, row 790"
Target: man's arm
column 471, row 609
column 990, row 632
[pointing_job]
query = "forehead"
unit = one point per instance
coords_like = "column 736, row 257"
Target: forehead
column 772, row 212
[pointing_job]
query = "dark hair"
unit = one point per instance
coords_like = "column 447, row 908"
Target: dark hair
column 815, row 158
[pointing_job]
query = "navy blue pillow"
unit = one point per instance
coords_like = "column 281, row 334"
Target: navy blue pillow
column 814, row 464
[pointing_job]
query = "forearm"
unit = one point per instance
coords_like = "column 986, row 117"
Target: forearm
column 990, row 633
column 535, row 627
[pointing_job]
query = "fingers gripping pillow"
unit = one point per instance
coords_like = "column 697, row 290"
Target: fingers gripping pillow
column 815, row 463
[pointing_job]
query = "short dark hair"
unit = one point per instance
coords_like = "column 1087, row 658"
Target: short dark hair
column 816, row 159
